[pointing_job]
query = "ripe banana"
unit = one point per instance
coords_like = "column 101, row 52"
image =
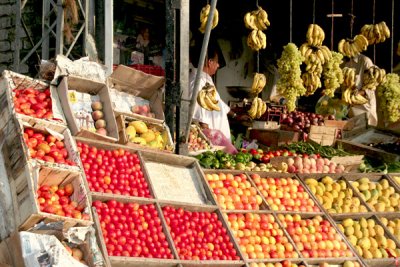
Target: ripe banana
column 257, row 109
column 259, row 82
column 249, row 21
column 376, row 33
column 257, row 40
column 205, row 11
column 315, row 35
column 353, row 47
column 206, row 98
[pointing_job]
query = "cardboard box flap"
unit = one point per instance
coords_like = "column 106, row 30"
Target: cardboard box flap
column 135, row 82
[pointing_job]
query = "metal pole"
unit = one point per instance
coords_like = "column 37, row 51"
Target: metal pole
column 200, row 67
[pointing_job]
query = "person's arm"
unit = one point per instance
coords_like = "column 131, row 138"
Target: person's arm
column 240, row 117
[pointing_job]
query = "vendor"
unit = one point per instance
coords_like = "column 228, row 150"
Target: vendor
column 361, row 63
column 211, row 119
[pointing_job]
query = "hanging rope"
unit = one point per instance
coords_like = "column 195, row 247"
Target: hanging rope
column 313, row 16
column 373, row 22
column 290, row 20
column 332, row 31
column 352, row 17
column 392, row 39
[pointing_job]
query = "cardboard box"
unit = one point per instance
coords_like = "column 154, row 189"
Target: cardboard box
column 140, row 84
column 94, row 88
column 323, row 135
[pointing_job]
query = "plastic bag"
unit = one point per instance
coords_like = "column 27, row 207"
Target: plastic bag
column 217, row 138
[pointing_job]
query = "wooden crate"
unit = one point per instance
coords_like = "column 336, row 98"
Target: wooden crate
column 273, row 138
column 94, row 88
column 176, row 178
column 212, row 209
column 122, row 122
column 26, row 207
column 17, row 157
column 332, row 262
column 133, row 261
column 14, row 81
column 114, row 146
column 350, row 163
column 358, row 144
column 336, row 178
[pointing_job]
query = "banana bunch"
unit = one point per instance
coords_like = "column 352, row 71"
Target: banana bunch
column 376, row 33
column 314, row 58
column 206, row 98
column 259, row 82
column 322, row 53
column 257, row 109
column 205, row 11
column 352, row 97
column 311, row 81
column 257, row 40
column 349, row 77
column 353, row 47
column 373, row 77
column 257, row 19
column 315, row 35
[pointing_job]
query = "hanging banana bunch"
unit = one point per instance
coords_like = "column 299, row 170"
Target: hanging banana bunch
column 257, row 21
column 315, row 56
column 205, row 11
column 351, row 95
column 259, row 82
column 206, row 98
column 353, row 47
column 376, row 33
column 315, row 35
column 257, row 109
column 373, row 77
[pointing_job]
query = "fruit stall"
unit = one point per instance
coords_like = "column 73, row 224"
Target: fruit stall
column 90, row 175
column 106, row 189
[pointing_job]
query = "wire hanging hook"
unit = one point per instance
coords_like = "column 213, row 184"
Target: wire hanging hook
column 352, row 18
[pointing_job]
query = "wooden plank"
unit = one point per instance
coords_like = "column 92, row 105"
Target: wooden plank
column 100, row 238
column 139, row 262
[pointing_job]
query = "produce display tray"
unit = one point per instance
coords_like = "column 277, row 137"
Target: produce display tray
column 261, row 206
column 114, row 146
column 133, row 261
column 176, row 178
column 374, row 261
column 359, row 144
column 222, row 219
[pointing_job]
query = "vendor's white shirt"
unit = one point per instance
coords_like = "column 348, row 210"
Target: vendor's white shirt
column 214, row 119
column 362, row 63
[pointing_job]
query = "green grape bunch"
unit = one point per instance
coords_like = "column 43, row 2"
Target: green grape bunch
column 332, row 73
column 290, row 84
column 389, row 97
